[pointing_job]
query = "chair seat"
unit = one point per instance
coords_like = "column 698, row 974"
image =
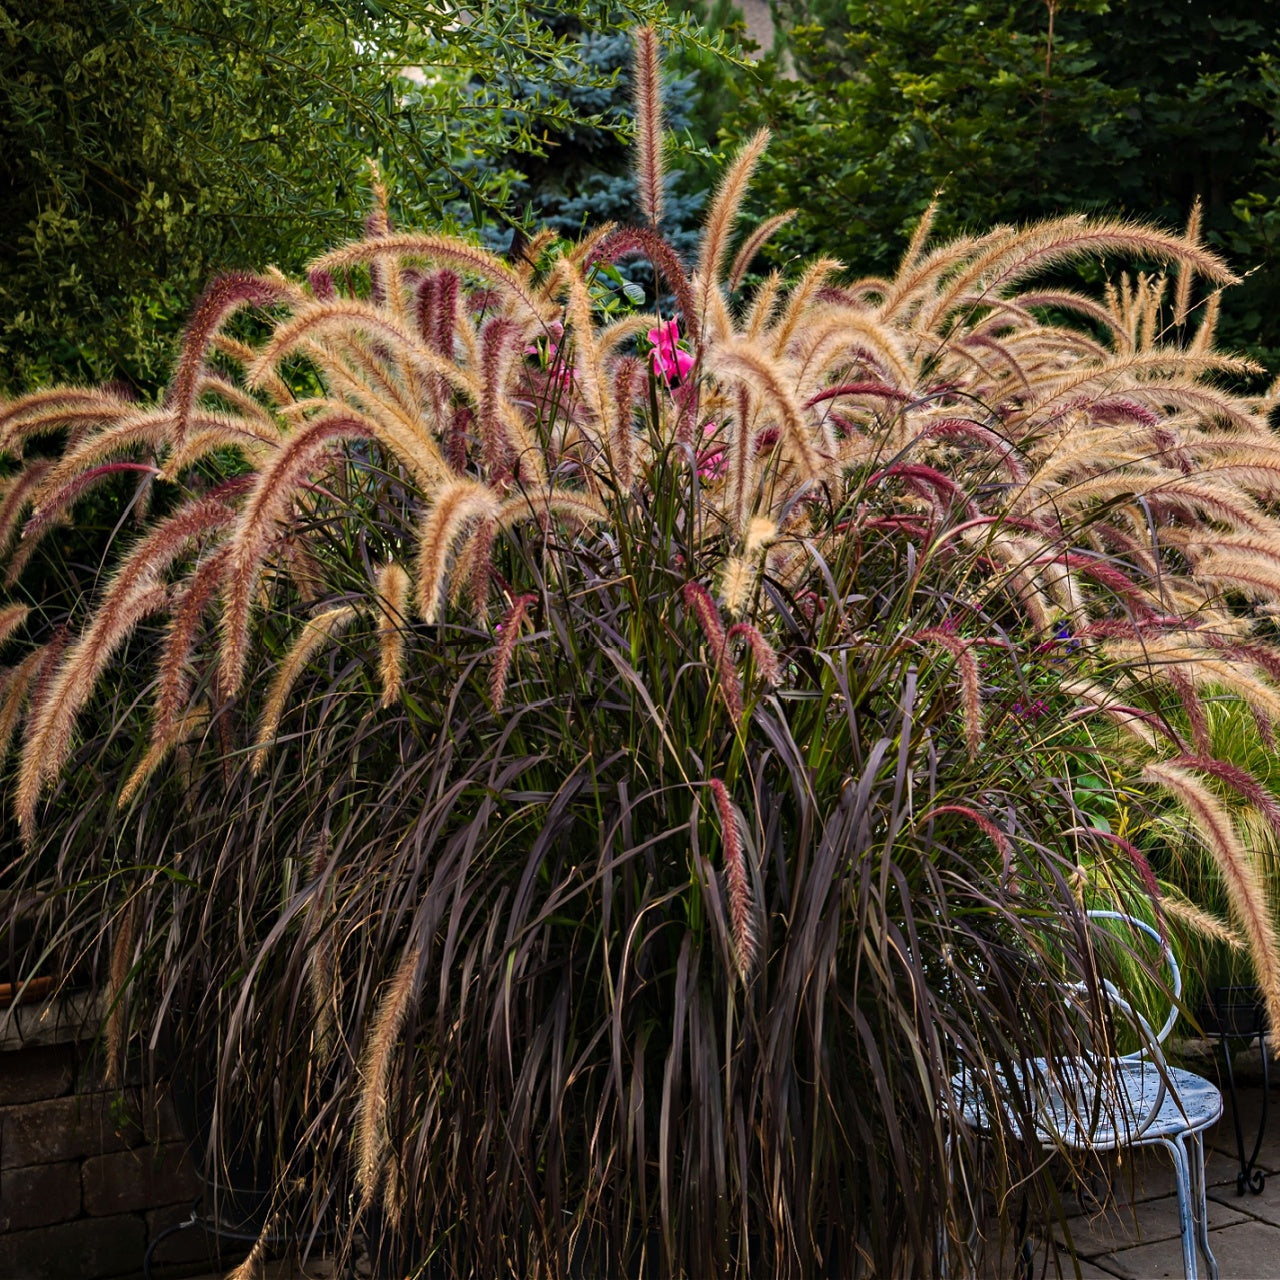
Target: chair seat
column 1093, row 1104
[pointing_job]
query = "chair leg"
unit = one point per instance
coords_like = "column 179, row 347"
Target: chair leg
column 1201, row 1203
column 1182, row 1174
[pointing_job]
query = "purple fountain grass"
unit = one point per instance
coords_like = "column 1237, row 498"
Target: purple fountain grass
column 443, row 249
column 55, row 503
column 455, row 507
column 753, row 244
column 984, row 823
column 122, row 959
column 19, row 492
column 718, row 229
column 880, row 477
column 393, row 591
column 970, row 681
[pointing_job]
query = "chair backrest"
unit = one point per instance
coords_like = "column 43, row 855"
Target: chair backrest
column 1078, row 1095
column 1175, row 976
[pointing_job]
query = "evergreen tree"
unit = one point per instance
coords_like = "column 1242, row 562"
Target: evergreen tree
column 1017, row 109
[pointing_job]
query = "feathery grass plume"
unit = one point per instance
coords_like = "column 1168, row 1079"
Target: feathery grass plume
column 19, row 492
column 254, row 1267
column 455, row 506
column 49, row 657
column 322, row 976
column 760, row 532
column 742, row 909
column 372, row 1141
column 646, row 79
column 1205, row 334
column 1058, row 241
column 224, row 295
column 393, row 588
column 15, row 683
column 472, row 573
column 1182, row 296
column 164, row 738
column 969, row 681
column 75, row 422
column 627, row 242
column 40, row 410
column 202, row 587
column 623, row 444
column 1137, row 860
column 54, row 504
column 737, row 581
column 980, row 820
column 540, row 503
column 753, row 244
column 742, row 360
column 1186, row 913
column 504, row 650
column 719, row 227
column 1239, row 780
column 48, row 741
column 446, row 250
column 122, row 949
column 1238, row 868
column 766, row 659
column 12, row 616
column 143, row 431
column 337, row 320
column 698, row 601
column 319, row 628
column 920, row 236
column 267, row 504
column 501, row 342
column 134, row 592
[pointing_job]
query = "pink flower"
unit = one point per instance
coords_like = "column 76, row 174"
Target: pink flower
column 669, row 360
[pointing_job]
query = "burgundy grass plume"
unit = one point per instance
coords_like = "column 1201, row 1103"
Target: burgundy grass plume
column 268, row 501
column 698, row 601
column 742, row 910
column 504, row 650
column 224, row 295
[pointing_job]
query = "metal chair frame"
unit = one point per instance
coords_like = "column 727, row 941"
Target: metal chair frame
column 1108, row 1102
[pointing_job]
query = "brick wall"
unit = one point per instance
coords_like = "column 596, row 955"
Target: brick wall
column 88, row 1176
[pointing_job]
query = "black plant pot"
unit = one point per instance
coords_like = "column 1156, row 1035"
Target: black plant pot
column 238, row 1176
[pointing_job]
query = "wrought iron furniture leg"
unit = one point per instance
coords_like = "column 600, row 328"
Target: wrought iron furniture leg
column 1258, row 1179
column 1224, row 1043
column 1182, row 1174
column 1226, row 1002
column 1200, row 1202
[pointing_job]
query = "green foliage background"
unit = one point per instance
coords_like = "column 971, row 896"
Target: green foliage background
column 1135, row 107
column 145, row 145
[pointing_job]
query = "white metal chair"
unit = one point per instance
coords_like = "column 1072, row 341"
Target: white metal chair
column 1102, row 1103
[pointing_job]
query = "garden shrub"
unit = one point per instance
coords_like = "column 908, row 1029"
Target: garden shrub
column 578, row 782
